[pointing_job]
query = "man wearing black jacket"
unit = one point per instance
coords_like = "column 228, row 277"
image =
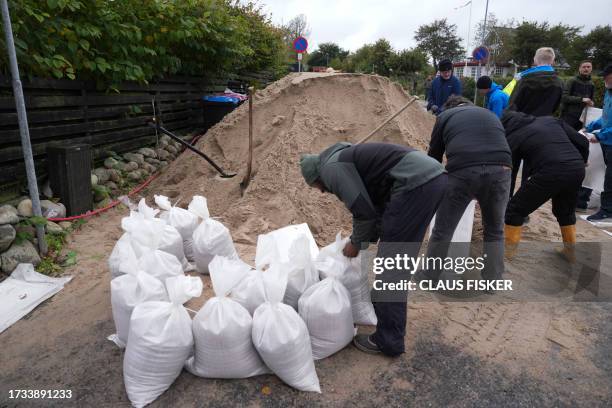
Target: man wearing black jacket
column 577, row 94
column 479, row 167
column 556, row 154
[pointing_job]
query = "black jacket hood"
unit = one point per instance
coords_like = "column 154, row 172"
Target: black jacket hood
column 513, row 120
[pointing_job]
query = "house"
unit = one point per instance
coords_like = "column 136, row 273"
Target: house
column 473, row 69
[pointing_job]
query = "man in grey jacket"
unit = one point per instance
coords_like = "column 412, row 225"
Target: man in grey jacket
column 392, row 192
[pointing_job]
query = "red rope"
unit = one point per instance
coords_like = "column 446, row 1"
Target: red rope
column 115, row 202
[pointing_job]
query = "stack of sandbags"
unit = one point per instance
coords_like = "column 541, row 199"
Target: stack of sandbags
column 332, row 262
column 295, row 249
column 281, row 337
column 183, row 220
column 160, row 341
column 222, row 329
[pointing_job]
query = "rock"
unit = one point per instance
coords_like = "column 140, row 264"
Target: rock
column 46, row 189
column 8, row 215
column 111, row 185
column 52, row 210
column 163, row 163
column 53, row 228
column 24, row 208
column 114, row 175
column 130, row 166
column 94, row 179
column 7, row 236
column 165, row 139
column 171, row 149
column 24, row 252
column 149, row 168
column 111, row 163
column 100, row 192
column 147, row 152
column 26, row 231
column 135, row 175
column 278, row 120
column 152, row 161
column 134, row 157
column 102, row 174
column 65, row 225
column 163, row 154
column 104, row 203
column 163, row 143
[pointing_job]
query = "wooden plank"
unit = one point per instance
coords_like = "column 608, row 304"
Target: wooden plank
column 8, row 102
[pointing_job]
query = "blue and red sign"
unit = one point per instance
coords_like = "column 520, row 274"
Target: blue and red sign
column 481, row 53
column 300, row 45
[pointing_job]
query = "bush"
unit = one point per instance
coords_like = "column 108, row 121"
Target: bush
column 140, row 40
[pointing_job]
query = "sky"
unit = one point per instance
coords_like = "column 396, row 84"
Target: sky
column 352, row 23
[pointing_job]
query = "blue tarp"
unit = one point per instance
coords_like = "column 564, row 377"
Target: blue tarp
column 221, row 99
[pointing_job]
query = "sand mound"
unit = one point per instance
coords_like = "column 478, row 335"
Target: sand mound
column 304, row 113
column 298, row 114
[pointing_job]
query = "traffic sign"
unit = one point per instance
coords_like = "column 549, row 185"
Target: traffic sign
column 300, row 45
column 480, row 53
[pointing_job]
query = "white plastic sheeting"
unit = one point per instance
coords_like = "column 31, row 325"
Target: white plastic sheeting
column 332, row 262
column 596, row 170
column 281, row 337
column 222, row 329
column 25, row 289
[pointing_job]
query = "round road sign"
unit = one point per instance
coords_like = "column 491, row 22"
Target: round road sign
column 300, row 45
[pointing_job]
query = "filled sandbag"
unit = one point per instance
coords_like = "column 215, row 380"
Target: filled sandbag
column 281, row 337
column 295, row 248
column 332, row 262
column 123, row 258
column 160, row 341
column 222, row 329
column 211, row 239
column 160, row 264
column 183, row 220
column 250, row 291
column 128, row 291
column 325, row 307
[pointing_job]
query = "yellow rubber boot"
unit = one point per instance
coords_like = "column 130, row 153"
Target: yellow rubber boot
column 568, row 233
column 513, row 237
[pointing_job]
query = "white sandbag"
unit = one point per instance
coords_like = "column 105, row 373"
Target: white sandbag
column 325, row 307
column 222, row 329
column 281, row 337
column 275, row 246
column 183, row 220
column 127, row 291
column 160, row 264
column 123, row 258
column 210, row 239
column 250, row 291
column 332, row 262
column 160, row 341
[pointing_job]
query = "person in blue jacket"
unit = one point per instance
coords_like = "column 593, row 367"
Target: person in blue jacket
column 497, row 100
column 602, row 130
column 442, row 87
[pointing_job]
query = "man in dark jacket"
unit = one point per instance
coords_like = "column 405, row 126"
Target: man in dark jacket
column 497, row 100
column 577, row 94
column 442, row 87
column 539, row 90
column 479, row 167
column 393, row 192
column 557, row 154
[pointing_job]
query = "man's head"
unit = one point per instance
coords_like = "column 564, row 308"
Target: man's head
column 446, row 68
column 310, row 164
column 606, row 74
column 544, row 56
column 484, row 84
column 455, row 100
column 585, row 68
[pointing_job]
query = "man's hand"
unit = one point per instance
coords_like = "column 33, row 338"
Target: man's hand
column 434, row 108
column 593, row 139
column 588, row 101
column 350, row 250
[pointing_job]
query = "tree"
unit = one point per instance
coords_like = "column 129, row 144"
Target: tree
column 439, row 40
column 296, row 27
column 408, row 62
column 381, row 56
column 498, row 37
column 326, row 53
column 596, row 46
column 531, row 35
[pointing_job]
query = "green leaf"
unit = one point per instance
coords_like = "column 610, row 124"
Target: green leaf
column 84, row 44
column 38, row 220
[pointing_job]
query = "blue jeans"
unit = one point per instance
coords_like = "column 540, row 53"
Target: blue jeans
column 490, row 186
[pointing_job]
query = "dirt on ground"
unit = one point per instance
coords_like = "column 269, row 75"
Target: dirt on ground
column 493, row 350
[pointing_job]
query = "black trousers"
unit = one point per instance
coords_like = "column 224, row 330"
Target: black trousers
column 404, row 223
column 559, row 184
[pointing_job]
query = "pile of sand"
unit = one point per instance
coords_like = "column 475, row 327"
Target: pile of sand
column 303, row 113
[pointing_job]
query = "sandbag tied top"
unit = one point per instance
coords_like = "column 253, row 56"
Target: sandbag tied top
column 183, row 220
column 281, row 337
column 222, row 329
column 160, row 341
column 199, row 207
column 160, row 264
column 332, row 262
column 250, row 291
column 146, row 211
column 128, row 291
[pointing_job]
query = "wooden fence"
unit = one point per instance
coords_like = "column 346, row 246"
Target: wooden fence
column 65, row 111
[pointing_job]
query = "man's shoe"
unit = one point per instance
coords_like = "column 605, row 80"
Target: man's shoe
column 600, row 215
column 365, row 344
